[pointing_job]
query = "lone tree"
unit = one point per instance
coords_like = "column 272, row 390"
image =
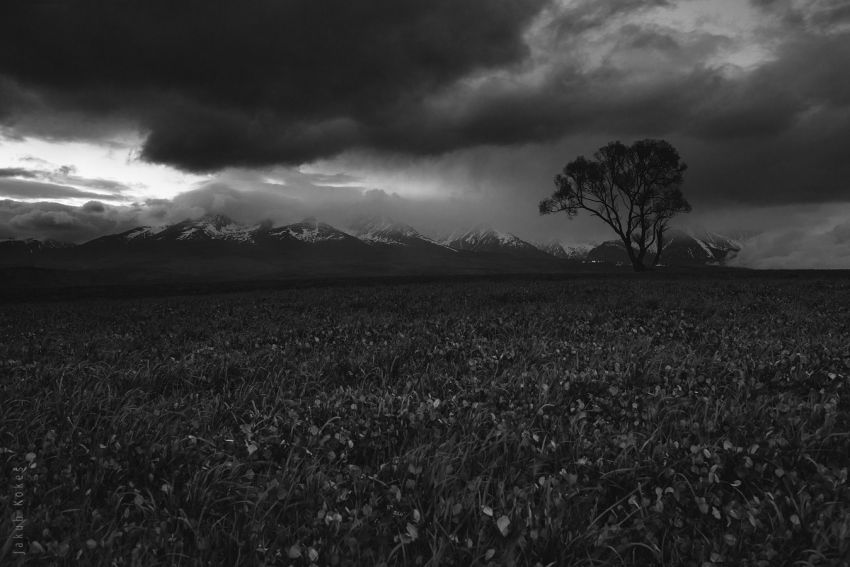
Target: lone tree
column 635, row 189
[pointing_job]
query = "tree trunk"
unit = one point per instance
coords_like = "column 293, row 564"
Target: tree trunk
column 659, row 244
column 637, row 261
column 641, row 255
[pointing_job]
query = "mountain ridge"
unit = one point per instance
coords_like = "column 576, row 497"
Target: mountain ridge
column 680, row 247
column 217, row 247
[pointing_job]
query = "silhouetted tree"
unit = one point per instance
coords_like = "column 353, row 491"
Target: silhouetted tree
column 635, row 190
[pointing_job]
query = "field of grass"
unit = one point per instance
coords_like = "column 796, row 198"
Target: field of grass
column 582, row 422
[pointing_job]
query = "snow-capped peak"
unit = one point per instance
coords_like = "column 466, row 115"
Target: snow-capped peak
column 382, row 224
column 563, row 250
column 209, row 227
column 308, row 230
column 217, row 227
column 382, row 230
column 485, row 238
column 142, row 232
column 712, row 247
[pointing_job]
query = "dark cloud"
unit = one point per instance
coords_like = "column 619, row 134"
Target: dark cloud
column 220, row 83
column 770, row 135
column 819, row 15
column 216, row 83
column 12, row 98
column 585, row 15
column 94, row 207
column 57, row 183
column 91, row 182
column 23, row 189
column 45, row 220
column 18, row 172
column 804, row 164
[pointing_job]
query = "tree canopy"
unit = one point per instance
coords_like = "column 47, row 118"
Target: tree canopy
column 635, row 190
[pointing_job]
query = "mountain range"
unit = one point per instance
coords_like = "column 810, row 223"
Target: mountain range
column 680, row 248
column 216, row 247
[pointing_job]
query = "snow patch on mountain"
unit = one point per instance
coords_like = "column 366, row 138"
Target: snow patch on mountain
column 216, row 227
column 139, row 233
column 384, row 231
column 579, row 251
column 309, row 230
column 484, row 238
column 679, row 247
column 553, row 248
column 565, row 251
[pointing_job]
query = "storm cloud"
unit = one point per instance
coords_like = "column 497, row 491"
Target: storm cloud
column 798, row 247
column 475, row 104
column 221, row 83
column 46, row 220
column 55, row 183
column 216, row 83
column 23, row 189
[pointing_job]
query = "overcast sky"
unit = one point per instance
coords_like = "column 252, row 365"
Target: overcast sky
column 441, row 113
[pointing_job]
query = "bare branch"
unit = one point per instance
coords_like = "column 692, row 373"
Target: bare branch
column 633, row 189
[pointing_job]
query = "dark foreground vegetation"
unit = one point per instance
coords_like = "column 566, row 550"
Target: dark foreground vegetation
column 581, row 422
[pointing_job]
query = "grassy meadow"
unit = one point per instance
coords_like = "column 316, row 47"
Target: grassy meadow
column 588, row 421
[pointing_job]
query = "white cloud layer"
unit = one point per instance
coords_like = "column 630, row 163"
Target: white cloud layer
column 811, row 247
